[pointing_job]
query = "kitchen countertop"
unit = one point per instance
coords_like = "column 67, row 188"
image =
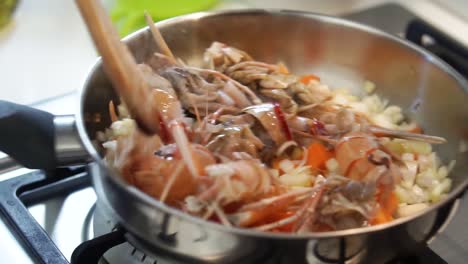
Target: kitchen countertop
column 45, row 51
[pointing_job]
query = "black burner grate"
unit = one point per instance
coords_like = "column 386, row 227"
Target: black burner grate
column 18, row 192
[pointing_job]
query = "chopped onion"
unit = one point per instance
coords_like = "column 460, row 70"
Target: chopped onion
column 393, row 113
column 123, row 111
column 286, row 165
column 408, row 173
column 427, row 161
column 300, row 176
column 427, row 178
column 297, row 179
column 409, row 146
column 402, row 194
column 441, row 188
column 110, row 145
column 374, row 103
column 193, row 204
column 123, row 127
column 332, row 165
column 442, row 172
column 407, row 157
column 417, row 147
column 412, row 195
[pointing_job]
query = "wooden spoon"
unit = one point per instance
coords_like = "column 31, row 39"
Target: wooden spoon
column 120, row 66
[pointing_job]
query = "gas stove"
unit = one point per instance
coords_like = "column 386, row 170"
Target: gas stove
column 54, row 217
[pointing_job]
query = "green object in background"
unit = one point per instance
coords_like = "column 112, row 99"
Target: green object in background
column 128, row 15
column 6, row 11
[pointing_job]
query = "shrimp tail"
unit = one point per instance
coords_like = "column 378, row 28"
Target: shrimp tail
column 257, row 211
column 303, row 217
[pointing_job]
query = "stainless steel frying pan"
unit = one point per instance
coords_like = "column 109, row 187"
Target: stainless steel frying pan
column 342, row 53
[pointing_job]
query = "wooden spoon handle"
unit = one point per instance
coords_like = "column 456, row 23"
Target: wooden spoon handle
column 120, row 65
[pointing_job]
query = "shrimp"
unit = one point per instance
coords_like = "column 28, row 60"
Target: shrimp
column 272, row 81
column 158, row 169
column 170, row 115
column 220, row 56
column 334, row 121
column 234, row 139
column 172, row 123
column 198, row 89
column 304, row 217
column 237, row 181
column 151, row 172
column 136, row 155
column 262, row 210
column 242, row 116
column 228, row 183
column 358, row 153
column 242, row 181
column 361, row 158
column 273, row 121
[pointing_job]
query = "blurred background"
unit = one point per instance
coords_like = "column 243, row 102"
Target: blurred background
column 45, row 50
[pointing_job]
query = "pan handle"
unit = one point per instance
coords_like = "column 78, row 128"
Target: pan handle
column 37, row 139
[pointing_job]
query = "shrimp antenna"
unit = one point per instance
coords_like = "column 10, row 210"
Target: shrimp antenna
column 406, row 135
column 158, row 38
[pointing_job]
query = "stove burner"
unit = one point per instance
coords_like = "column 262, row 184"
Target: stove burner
column 136, row 251
column 349, row 250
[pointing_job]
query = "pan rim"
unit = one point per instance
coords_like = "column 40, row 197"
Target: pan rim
column 146, row 199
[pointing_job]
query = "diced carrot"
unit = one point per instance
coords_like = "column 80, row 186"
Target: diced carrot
column 417, row 129
column 388, row 206
column 391, row 203
column 317, row 155
column 282, row 215
column 309, row 77
column 381, row 217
